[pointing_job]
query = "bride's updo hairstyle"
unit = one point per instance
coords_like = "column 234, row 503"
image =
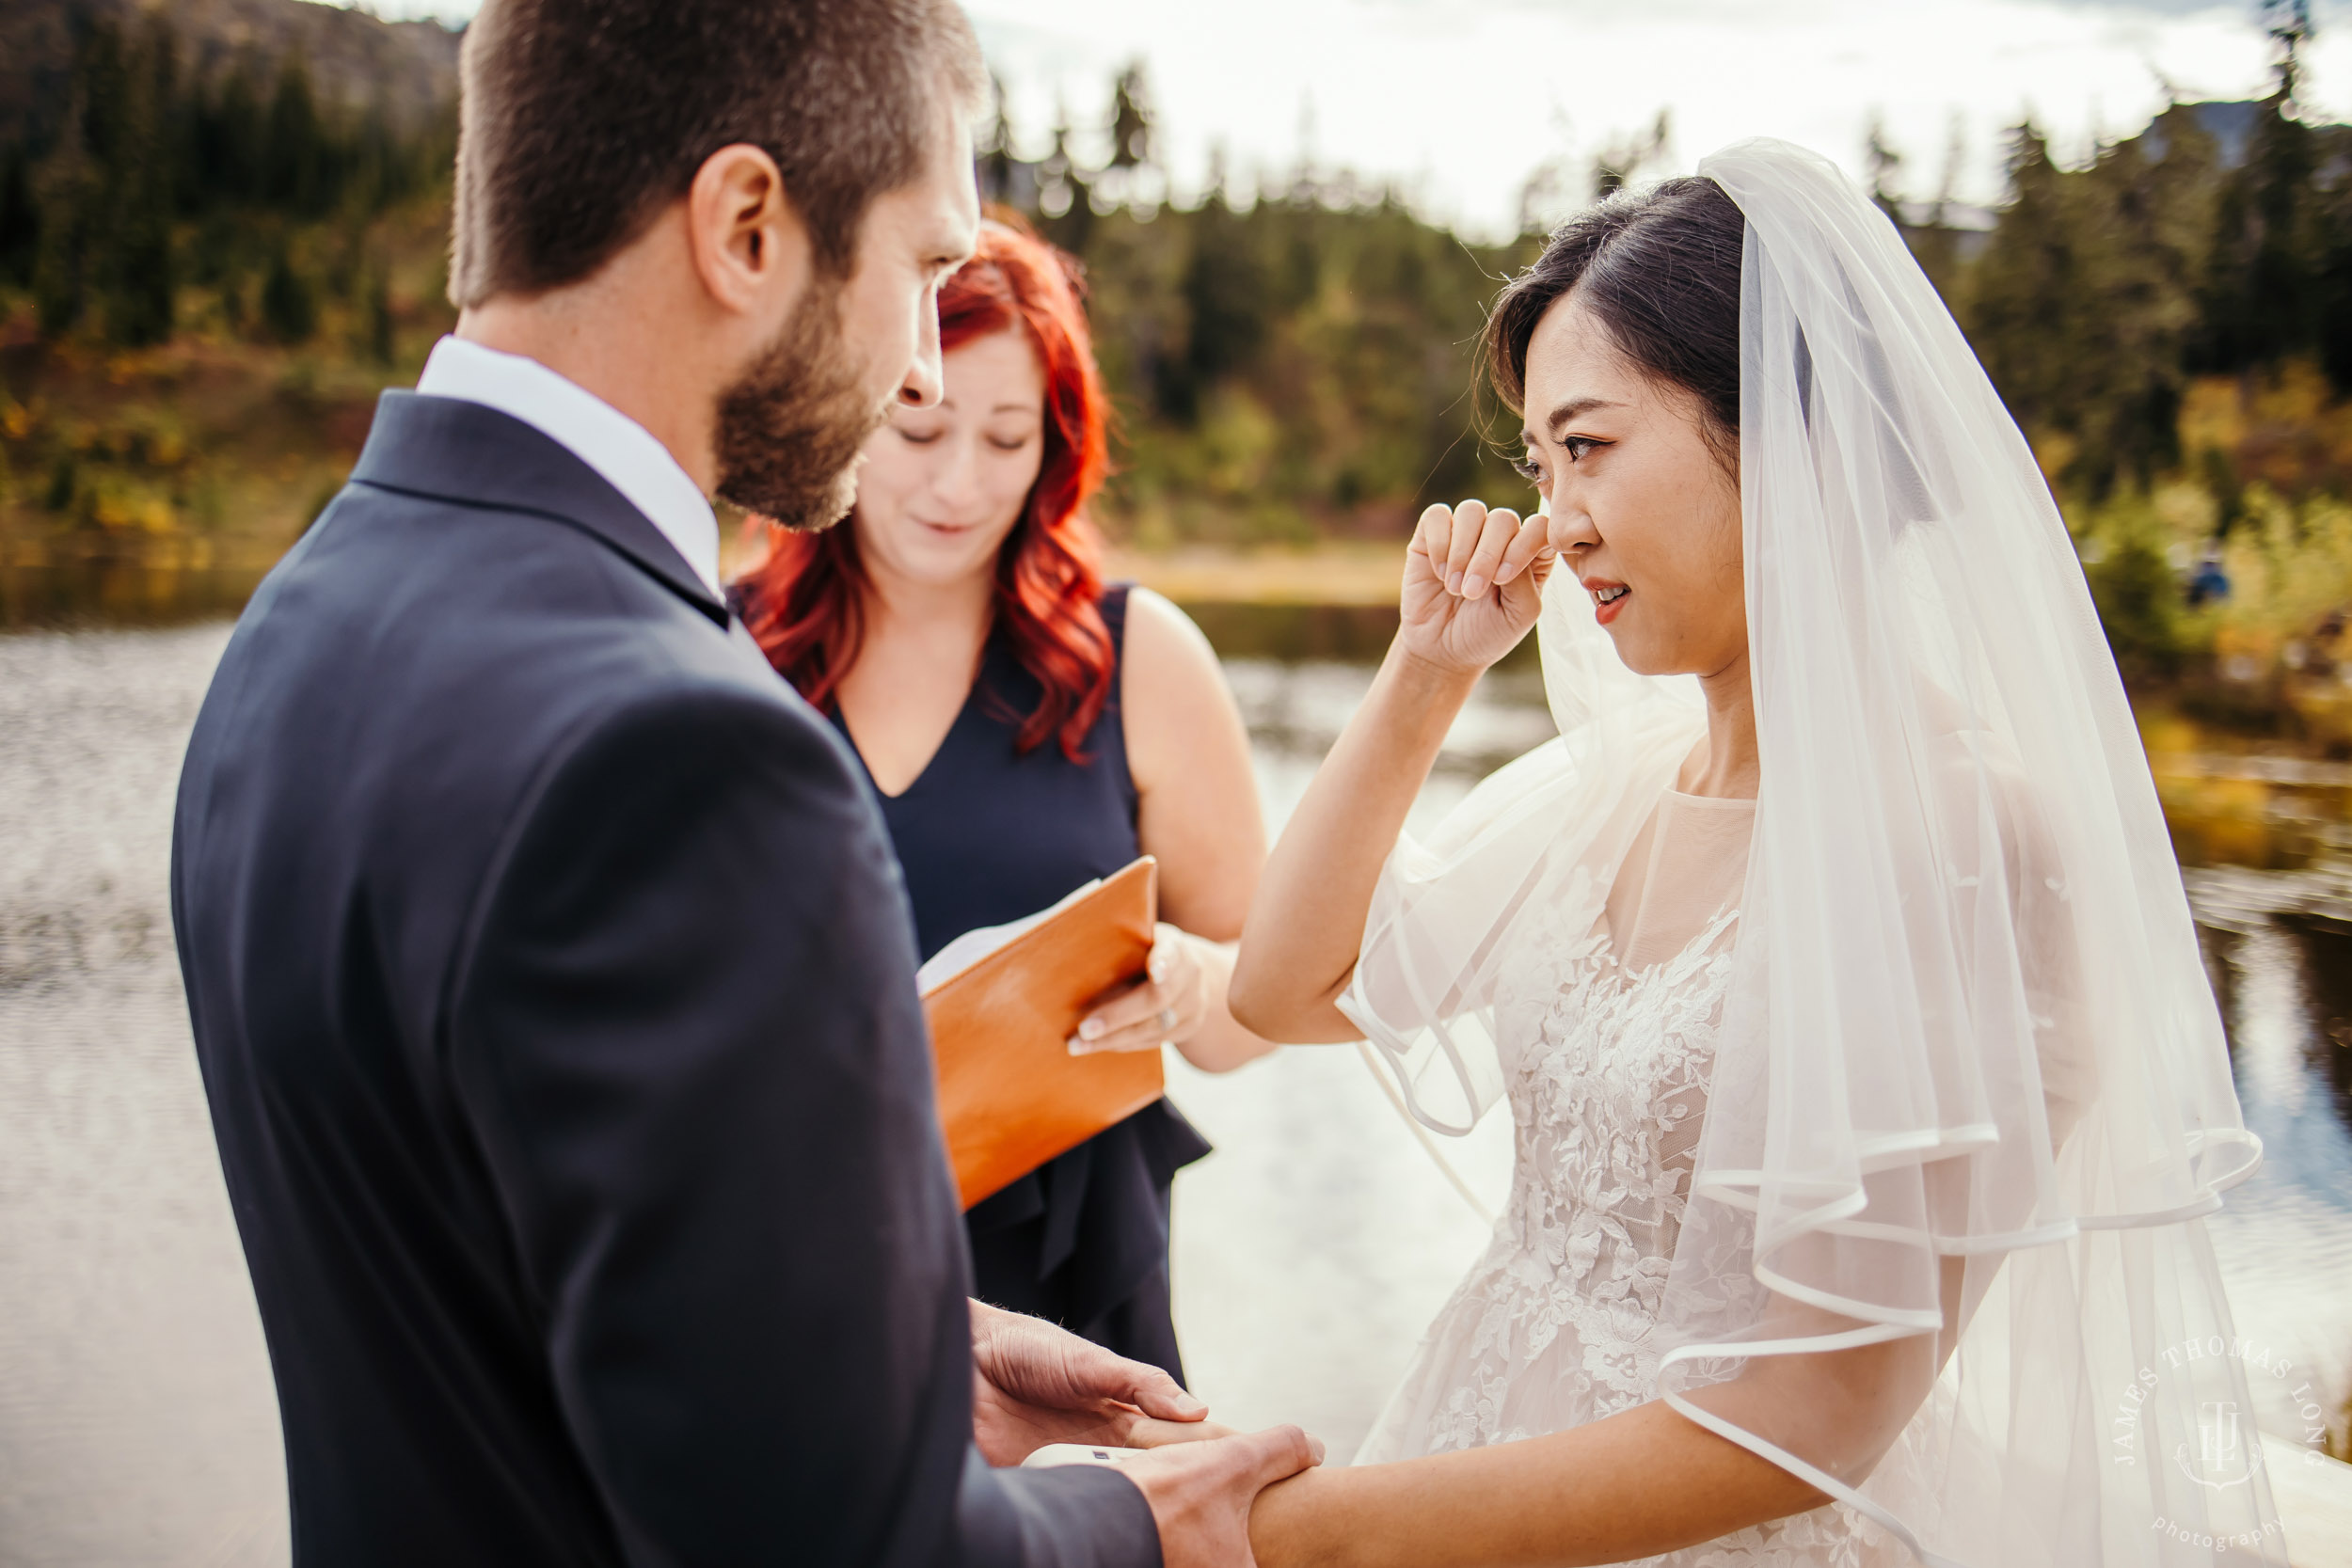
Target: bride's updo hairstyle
column 1660, row 272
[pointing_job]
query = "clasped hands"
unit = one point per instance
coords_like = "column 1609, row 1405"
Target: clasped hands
column 1034, row 1384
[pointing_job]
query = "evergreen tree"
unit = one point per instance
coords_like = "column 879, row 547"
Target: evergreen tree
column 101, row 73
column 65, row 198
column 993, row 165
column 1131, row 121
column 138, row 267
column 2331, row 260
column 1886, row 163
column 1936, row 243
column 19, row 224
column 1062, row 185
column 294, row 162
column 2085, row 299
column 2258, row 302
column 289, row 310
column 379, row 317
column 1224, row 290
column 228, row 137
column 377, row 174
column 1622, row 162
column 2149, row 230
column 2028, row 286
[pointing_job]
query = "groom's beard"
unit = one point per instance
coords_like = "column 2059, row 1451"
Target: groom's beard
column 791, row 426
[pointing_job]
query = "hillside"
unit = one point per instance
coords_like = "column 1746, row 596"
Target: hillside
column 222, row 228
column 208, row 269
column 355, row 61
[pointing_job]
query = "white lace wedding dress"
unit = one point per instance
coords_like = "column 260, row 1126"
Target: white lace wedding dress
column 1607, row 1038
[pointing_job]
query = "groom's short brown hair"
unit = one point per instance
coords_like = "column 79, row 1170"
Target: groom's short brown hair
column 580, row 119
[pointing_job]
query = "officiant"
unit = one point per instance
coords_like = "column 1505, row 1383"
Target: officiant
column 1026, row 729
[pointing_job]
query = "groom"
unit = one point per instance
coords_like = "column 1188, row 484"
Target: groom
column 549, row 972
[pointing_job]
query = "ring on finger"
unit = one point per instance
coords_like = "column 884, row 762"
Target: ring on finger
column 1166, row 1019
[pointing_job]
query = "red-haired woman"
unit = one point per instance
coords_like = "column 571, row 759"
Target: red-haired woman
column 1028, row 729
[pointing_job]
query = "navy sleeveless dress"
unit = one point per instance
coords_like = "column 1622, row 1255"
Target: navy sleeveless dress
column 987, row 834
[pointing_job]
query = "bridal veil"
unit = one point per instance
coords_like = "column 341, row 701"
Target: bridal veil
column 1942, row 1253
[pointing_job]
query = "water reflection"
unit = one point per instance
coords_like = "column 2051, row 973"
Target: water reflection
column 2284, row 1239
column 137, row 1422
column 2328, row 981
column 119, row 593
column 2263, row 813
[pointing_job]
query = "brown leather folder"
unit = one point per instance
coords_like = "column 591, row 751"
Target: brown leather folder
column 1011, row 1095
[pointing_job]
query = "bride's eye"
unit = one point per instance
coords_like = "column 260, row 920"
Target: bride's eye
column 918, row 438
column 1528, row 469
column 1577, row 446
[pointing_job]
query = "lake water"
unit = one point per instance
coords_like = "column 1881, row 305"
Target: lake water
column 137, row 1420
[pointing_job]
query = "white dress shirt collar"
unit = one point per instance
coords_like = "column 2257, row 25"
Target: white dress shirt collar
column 623, row 451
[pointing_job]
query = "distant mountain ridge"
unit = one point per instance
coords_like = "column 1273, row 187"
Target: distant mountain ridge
column 355, row 59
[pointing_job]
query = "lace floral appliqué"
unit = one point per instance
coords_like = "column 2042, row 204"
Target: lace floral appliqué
column 1553, row 1328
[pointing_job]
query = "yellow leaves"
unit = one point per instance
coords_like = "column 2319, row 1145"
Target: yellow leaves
column 2163, row 734
column 2211, row 415
column 2288, row 565
column 2054, row 453
column 2245, row 646
column 2285, row 429
column 119, row 508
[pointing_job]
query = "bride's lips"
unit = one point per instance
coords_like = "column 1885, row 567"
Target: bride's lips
column 1608, row 598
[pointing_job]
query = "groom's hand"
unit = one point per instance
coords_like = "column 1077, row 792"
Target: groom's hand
column 1034, row 1384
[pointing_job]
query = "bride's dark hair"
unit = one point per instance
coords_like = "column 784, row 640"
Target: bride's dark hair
column 1660, row 272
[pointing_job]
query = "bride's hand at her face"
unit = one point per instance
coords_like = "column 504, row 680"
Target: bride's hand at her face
column 1473, row 582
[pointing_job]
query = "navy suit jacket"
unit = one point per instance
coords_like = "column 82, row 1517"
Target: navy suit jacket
column 554, row 986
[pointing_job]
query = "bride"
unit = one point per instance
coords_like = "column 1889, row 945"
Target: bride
column 1867, row 1086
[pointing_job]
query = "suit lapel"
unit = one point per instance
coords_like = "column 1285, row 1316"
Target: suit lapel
column 474, row 455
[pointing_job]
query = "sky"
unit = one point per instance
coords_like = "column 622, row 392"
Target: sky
column 1457, row 102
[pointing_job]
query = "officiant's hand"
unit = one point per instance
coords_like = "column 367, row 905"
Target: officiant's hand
column 1167, row 1006
column 1474, row 583
column 1034, row 1384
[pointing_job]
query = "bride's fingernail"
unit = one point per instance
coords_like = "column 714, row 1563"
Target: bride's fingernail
column 1453, row 582
column 1473, row 586
column 1077, row 1048
column 1090, row 1030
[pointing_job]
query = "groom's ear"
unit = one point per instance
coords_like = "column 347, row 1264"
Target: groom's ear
column 749, row 245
